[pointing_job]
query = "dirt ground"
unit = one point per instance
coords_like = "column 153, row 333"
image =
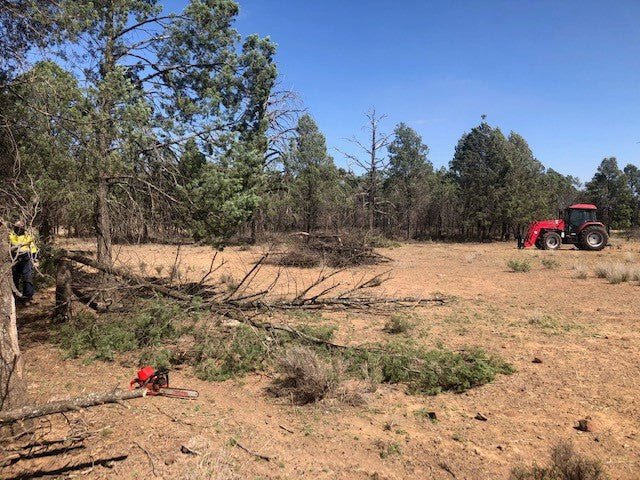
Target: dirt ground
column 584, row 331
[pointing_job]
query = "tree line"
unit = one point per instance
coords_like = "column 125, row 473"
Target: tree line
column 137, row 125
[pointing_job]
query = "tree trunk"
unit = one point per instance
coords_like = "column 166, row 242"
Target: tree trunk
column 103, row 223
column 13, row 388
column 64, row 294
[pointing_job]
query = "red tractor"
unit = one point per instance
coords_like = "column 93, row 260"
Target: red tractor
column 578, row 226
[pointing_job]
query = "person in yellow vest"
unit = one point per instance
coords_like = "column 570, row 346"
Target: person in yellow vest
column 24, row 252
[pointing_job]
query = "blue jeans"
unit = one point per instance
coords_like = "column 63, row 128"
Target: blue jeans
column 23, row 270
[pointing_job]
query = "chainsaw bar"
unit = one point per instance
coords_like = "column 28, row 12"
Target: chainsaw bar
column 156, row 383
column 174, row 393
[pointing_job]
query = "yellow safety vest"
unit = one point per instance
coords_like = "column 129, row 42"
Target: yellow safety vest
column 22, row 243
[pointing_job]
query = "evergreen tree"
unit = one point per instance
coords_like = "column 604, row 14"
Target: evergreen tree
column 610, row 191
column 315, row 175
column 479, row 167
column 633, row 181
column 408, row 174
column 525, row 198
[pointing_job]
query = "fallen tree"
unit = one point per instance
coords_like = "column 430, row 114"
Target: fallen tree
column 27, row 412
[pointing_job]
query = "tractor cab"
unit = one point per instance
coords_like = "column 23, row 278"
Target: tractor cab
column 576, row 216
column 576, row 225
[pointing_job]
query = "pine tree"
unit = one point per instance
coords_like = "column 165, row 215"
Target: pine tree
column 409, row 169
column 610, row 191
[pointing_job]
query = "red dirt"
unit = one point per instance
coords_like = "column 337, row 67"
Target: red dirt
column 585, row 331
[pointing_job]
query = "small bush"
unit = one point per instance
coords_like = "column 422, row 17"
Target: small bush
column 550, row 263
column 615, row 272
column 581, row 272
column 387, row 449
column 601, row 271
column 219, row 359
column 398, row 324
column 306, row 377
column 566, row 464
column 519, row 265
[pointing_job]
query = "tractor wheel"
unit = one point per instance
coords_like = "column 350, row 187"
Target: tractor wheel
column 593, row 238
column 551, row 241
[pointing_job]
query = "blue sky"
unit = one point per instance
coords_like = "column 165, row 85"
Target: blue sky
column 564, row 74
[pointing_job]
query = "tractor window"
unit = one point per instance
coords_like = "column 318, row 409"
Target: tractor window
column 578, row 217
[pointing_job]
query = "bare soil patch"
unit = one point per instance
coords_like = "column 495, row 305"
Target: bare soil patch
column 583, row 332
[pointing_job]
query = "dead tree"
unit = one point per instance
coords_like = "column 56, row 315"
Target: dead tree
column 12, row 382
column 373, row 163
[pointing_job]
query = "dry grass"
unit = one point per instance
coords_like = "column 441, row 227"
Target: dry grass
column 566, row 464
column 550, row 263
column 617, row 272
column 581, row 272
column 306, row 377
column 212, row 466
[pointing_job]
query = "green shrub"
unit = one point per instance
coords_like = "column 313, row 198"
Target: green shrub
column 323, row 332
column 398, row 324
column 431, row 371
column 550, row 263
column 219, row 358
column 152, row 325
column 519, row 265
column 157, row 357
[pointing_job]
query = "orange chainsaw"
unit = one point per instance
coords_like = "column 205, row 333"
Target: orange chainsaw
column 157, row 383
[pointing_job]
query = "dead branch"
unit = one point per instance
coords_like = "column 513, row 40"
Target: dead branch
column 90, row 400
column 75, row 463
column 236, row 443
column 127, row 275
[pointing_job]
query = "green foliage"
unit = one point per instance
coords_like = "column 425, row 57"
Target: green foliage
column 220, row 204
column 398, row 323
column 322, row 332
column 157, row 357
column 430, row 371
column 380, row 241
column 314, row 175
column 519, row 265
column 550, row 263
column 219, row 358
column 408, row 172
column 154, row 324
column 387, row 449
column 612, row 192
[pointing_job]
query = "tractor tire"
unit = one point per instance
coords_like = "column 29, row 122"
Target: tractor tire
column 551, row 241
column 593, row 238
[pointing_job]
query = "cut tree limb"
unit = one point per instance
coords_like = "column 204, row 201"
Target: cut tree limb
column 90, row 400
column 127, row 275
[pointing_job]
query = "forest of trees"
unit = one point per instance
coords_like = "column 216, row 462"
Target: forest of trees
column 131, row 125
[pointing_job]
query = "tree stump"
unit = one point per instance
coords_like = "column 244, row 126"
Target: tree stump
column 64, row 294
